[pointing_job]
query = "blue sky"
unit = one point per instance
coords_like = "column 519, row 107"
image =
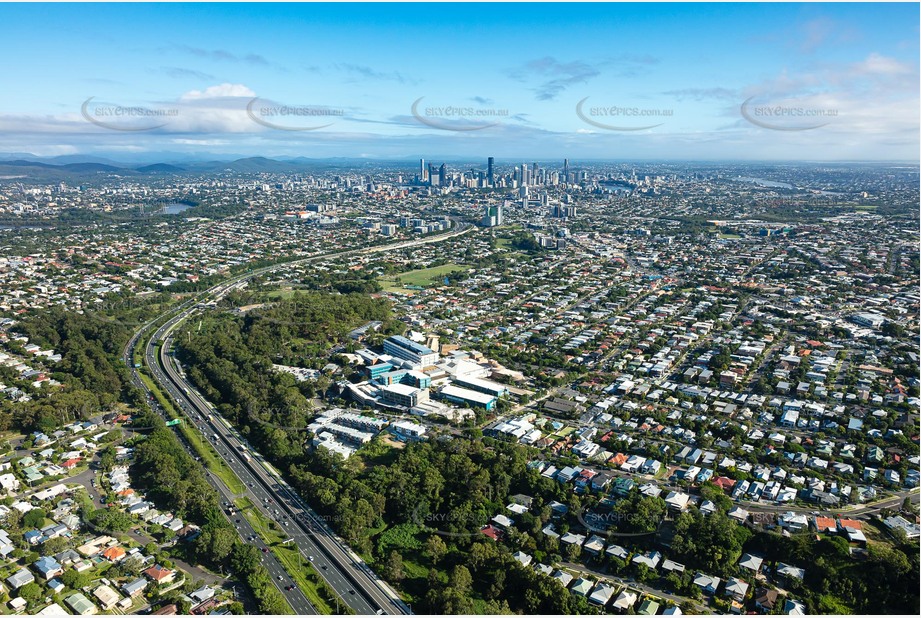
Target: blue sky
column 535, row 80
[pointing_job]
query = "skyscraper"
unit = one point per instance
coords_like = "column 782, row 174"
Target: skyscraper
column 423, row 173
column 565, row 170
column 492, row 215
column 443, row 175
column 489, row 171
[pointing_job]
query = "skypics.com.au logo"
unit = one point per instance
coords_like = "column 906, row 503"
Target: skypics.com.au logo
column 132, row 311
column 129, row 118
column 785, row 114
column 451, row 522
column 614, row 524
column 281, row 117
column 627, row 118
column 460, row 118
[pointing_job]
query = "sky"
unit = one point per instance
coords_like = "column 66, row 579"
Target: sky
column 644, row 81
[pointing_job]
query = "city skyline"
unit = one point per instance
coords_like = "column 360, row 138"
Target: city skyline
column 753, row 82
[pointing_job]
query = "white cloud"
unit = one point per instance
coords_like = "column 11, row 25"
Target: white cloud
column 201, row 142
column 879, row 65
column 220, row 91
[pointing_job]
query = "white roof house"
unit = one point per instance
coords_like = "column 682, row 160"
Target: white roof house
column 625, row 600
column 601, row 594
column 753, row 563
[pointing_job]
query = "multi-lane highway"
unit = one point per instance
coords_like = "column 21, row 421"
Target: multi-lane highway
column 356, row 584
column 280, row 577
column 349, row 576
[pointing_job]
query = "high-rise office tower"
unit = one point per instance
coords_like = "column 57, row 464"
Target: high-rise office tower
column 443, row 175
column 423, row 173
column 565, row 170
column 489, row 171
column 492, row 215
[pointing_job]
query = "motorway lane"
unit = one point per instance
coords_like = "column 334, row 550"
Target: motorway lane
column 279, row 576
column 277, row 572
column 357, row 584
column 295, row 597
column 353, row 581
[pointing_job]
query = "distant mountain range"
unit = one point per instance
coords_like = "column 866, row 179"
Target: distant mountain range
column 71, row 166
column 248, row 165
column 159, row 168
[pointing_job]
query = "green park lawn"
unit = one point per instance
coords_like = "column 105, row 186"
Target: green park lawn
column 422, row 277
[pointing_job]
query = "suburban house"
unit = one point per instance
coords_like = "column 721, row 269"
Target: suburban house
column 736, row 589
column 765, row 600
column 48, row 567
column 80, row 604
column 134, row 587
column 750, row 562
column 159, row 574
column 624, row 601
column 20, row 578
